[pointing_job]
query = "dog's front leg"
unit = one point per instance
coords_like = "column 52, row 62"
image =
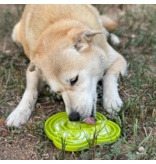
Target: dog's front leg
column 111, row 99
column 23, row 111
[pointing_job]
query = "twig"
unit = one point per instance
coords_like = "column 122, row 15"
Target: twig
column 145, row 131
column 31, row 135
column 8, row 78
column 150, row 131
column 126, row 93
column 5, row 100
column 1, row 129
column 1, row 82
column 4, row 46
column 7, row 141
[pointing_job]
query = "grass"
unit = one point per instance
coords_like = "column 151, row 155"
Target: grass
column 137, row 118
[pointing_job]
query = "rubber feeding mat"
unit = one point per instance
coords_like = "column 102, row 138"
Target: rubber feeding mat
column 77, row 135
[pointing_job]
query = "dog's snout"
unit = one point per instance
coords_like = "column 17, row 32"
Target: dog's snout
column 74, row 116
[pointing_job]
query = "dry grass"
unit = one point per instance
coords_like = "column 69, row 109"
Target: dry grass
column 138, row 90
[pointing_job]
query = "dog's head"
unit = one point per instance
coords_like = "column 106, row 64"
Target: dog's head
column 71, row 64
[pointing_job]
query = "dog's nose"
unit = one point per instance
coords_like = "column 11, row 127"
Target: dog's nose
column 74, row 116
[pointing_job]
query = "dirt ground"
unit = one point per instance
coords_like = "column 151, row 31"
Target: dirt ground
column 137, row 90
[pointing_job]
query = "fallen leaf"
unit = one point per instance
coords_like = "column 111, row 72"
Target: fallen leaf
column 4, row 133
column 2, row 120
column 23, row 158
column 7, row 51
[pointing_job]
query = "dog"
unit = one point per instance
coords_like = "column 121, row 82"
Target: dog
column 68, row 49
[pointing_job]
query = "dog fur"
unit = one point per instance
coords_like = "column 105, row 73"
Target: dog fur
column 65, row 42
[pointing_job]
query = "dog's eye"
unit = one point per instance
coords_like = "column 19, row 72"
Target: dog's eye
column 74, row 80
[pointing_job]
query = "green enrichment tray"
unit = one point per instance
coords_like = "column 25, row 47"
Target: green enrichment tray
column 76, row 134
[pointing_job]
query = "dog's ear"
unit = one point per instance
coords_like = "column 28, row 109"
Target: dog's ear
column 83, row 38
column 32, row 67
column 89, row 34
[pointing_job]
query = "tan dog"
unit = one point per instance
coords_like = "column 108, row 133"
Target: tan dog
column 67, row 48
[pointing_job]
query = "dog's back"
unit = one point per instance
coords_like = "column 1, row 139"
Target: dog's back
column 37, row 18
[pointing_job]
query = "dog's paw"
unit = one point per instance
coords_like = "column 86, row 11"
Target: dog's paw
column 112, row 104
column 18, row 117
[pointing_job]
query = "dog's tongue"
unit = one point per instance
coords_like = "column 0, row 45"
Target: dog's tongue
column 90, row 120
